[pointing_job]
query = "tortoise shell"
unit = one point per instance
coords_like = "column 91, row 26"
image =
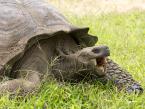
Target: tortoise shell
column 23, row 22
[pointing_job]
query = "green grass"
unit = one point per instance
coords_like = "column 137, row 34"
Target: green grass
column 125, row 35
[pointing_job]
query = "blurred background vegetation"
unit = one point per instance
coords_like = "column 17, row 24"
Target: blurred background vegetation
column 95, row 7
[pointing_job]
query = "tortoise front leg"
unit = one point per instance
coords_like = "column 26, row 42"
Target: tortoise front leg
column 27, row 71
column 121, row 78
column 21, row 86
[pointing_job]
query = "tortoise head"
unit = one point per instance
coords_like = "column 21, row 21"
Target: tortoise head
column 96, row 57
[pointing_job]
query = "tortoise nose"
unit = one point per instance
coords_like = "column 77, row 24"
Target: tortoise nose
column 104, row 50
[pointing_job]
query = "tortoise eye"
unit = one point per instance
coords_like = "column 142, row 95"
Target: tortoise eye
column 96, row 50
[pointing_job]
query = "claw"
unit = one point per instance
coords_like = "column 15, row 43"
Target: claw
column 135, row 88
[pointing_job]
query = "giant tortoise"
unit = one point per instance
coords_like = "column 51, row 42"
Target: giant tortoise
column 36, row 40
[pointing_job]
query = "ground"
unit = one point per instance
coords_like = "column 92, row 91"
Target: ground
column 124, row 33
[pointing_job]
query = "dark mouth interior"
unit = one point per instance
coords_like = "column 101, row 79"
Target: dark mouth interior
column 101, row 61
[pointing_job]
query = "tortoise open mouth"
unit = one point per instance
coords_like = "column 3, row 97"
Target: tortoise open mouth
column 101, row 65
column 103, row 52
column 101, row 61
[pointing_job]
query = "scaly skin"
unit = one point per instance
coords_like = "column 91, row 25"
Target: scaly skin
column 121, row 78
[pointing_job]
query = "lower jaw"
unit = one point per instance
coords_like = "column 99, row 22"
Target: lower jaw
column 101, row 65
column 101, row 71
